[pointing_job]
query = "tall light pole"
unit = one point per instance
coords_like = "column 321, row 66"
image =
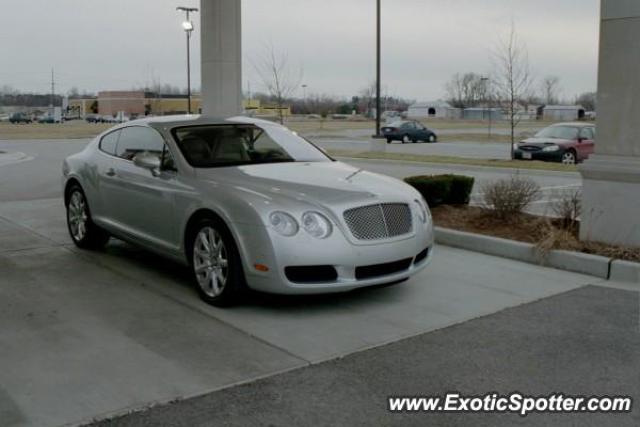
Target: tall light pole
column 487, row 97
column 304, row 97
column 187, row 25
column 378, row 69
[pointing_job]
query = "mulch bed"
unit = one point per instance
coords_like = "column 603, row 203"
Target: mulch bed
column 546, row 233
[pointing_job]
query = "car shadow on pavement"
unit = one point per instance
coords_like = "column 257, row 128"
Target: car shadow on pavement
column 149, row 266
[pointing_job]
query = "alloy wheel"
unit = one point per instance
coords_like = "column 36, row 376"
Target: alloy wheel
column 77, row 216
column 569, row 158
column 210, row 261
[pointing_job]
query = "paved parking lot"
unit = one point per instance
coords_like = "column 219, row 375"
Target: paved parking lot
column 87, row 335
column 582, row 342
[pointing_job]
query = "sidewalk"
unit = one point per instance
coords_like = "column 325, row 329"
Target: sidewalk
column 93, row 334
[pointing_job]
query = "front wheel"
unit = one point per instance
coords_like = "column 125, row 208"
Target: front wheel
column 569, row 158
column 432, row 138
column 215, row 263
column 406, row 139
column 84, row 233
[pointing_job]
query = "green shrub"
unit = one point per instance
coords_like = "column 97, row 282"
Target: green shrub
column 443, row 189
column 461, row 188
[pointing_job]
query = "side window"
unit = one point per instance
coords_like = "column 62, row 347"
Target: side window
column 137, row 139
column 109, row 142
column 587, row 133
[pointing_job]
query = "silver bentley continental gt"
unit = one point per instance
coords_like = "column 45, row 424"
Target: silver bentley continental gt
column 245, row 203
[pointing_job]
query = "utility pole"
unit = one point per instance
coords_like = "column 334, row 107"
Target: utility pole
column 378, row 68
column 53, row 88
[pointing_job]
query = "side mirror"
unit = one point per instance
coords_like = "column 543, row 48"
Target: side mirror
column 148, row 161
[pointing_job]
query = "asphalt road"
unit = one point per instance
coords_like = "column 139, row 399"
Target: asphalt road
column 585, row 342
column 37, row 176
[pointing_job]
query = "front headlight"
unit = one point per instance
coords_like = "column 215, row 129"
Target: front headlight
column 317, row 225
column 515, row 146
column 284, row 223
column 423, row 211
column 550, row 148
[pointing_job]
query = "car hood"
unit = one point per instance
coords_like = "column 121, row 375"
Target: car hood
column 331, row 184
column 546, row 141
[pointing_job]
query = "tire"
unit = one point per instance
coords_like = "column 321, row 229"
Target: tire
column 406, row 139
column 432, row 138
column 569, row 158
column 82, row 230
column 216, row 271
column 389, row 141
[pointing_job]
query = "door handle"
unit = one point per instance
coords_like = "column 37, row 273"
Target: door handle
column 110, row 172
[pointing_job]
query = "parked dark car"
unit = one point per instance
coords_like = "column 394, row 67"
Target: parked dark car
column 568, row 143
column 408, row 131
column 47, row 119
column 20, row 118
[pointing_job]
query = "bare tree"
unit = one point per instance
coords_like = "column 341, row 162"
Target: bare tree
column 587, row 100
column 550, row 88
column 466, row 90
column 278, row 77
column 512, row 76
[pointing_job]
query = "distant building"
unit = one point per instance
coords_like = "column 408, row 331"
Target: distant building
column 563, row 113
column 435, row 109
column 254, row 107
column 133, row 104
column 481, row 113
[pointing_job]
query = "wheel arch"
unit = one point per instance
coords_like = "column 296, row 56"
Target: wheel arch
column 67, row 187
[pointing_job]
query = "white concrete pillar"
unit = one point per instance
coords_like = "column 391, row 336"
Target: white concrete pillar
column 611, row 205
column 221, row 32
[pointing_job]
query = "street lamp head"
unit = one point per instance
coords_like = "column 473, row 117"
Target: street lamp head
column 188, row 26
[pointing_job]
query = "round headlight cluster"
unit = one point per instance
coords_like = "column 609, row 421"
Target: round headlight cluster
column 284, row 223
column 314, row 223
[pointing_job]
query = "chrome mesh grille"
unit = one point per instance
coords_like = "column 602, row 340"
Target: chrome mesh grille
column 380, row 221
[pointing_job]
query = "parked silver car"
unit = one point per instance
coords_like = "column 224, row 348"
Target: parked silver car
column 245, row 202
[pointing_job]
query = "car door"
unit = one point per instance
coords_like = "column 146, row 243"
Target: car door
column 409, row 129
column 586, row 143
column 143, row 200
column 422, row 134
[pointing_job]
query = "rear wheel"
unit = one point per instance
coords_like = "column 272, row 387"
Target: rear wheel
column 215, row 263
column 84, row 233
column 569, row 158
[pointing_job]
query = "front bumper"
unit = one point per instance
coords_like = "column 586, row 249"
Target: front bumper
column 551, row 156
column 277, row 252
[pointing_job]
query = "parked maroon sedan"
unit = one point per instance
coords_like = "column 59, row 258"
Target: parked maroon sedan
column 569, row 143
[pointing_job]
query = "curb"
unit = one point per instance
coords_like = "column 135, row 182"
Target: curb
column 576, row 262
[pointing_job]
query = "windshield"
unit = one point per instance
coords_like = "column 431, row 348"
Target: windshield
column 213, row 146
column 559, row 132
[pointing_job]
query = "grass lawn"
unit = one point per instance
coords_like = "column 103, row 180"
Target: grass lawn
column 513, row 164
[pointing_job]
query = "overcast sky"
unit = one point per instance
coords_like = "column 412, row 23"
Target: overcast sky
column 119, row 44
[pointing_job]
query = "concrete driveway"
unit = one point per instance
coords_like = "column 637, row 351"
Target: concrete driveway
column 92, row 334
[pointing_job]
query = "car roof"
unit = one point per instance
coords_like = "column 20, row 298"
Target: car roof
column 196, row 120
